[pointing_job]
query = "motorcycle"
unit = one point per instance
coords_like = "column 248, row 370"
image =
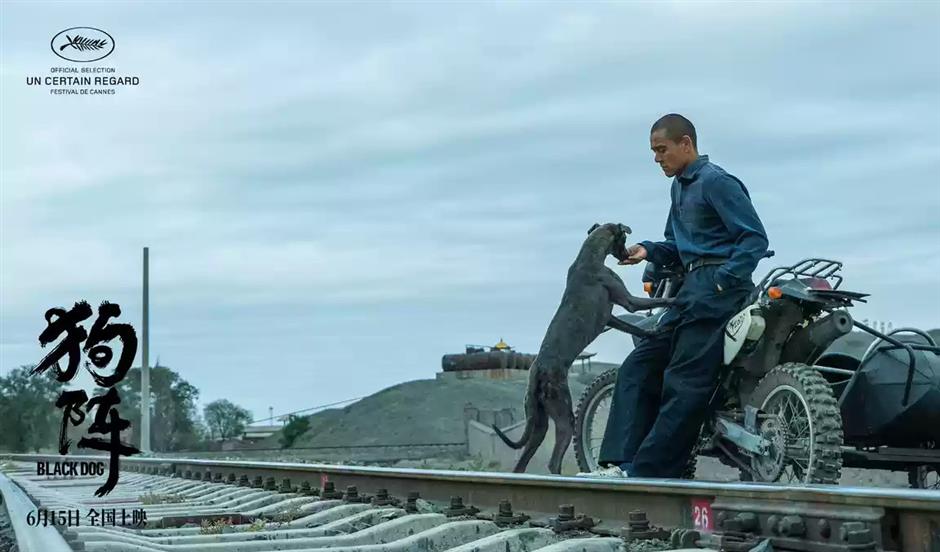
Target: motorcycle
column 786, row 408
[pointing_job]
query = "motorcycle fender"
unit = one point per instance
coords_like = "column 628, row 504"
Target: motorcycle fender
column 741, row 327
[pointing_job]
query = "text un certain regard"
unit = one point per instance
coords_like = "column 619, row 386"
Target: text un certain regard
column 89, row 81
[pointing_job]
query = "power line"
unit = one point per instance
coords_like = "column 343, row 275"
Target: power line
column 272, row 418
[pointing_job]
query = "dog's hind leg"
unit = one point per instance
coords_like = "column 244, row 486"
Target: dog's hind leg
column 561, row 414
column 539, row 429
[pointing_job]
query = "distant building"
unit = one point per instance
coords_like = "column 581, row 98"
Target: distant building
column 260, row 432
column 585, row 356
column 500, row 361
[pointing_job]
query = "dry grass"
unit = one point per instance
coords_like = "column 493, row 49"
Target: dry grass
column 214, row 527
column 151, row 498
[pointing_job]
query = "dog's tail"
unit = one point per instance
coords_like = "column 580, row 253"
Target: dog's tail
column 509, row 442
column 531, row 410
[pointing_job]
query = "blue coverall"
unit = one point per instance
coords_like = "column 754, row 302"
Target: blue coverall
column 664, row 385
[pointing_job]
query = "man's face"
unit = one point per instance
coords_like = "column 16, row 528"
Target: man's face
column 671, row 156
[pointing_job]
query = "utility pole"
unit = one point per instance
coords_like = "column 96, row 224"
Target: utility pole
column 145, row 361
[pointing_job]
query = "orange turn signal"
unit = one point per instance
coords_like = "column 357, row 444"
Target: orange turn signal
column 774, row 293
column 648, row 287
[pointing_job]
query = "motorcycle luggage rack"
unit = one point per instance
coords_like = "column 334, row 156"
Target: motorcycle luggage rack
column 825, row 269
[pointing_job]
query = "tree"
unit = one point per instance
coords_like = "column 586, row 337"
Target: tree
column 174, row 420
column 296, row 426
column 29, row 418
column 225, row 419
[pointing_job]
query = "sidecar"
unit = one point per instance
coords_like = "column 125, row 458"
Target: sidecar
column 889, row 399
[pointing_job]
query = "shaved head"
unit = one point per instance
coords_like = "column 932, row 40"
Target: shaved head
column 676, row 126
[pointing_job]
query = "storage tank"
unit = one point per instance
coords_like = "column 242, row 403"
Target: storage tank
column 499, row 357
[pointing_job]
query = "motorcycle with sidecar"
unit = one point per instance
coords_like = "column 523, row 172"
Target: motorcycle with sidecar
column 787, row 408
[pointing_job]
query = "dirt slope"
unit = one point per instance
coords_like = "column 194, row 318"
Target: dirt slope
column 418, row 412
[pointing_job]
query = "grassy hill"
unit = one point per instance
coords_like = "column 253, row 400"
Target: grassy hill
column 420, row 411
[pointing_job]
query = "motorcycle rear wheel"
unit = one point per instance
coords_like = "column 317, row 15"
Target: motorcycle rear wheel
column 803, row 423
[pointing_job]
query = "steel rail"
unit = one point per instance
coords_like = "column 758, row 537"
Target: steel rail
column 910, row 499
column 895, row 516
column 28, row 539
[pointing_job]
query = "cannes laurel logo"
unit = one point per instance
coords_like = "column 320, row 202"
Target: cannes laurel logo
column 82, row 44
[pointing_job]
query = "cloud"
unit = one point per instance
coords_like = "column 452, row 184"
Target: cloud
column 350, row 180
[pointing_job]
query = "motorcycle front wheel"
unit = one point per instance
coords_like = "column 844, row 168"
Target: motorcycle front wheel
column 590, row 419
column 590, row 422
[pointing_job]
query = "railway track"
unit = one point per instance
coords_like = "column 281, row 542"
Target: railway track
column 196, row 505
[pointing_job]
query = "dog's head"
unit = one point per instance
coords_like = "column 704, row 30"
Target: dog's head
column 617, row 236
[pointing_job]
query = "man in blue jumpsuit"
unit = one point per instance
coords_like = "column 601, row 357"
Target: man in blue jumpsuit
column 664, row 385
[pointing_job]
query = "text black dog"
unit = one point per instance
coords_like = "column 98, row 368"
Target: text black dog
column 591, row 291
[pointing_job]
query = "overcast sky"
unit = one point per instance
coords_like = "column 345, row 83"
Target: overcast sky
column 336, row 195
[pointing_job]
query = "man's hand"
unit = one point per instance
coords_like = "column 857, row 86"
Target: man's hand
column 635, row 254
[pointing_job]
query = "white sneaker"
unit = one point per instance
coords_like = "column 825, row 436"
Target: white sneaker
column 609, row 471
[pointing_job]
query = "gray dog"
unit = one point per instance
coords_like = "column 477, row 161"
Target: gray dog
column 591, row 291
